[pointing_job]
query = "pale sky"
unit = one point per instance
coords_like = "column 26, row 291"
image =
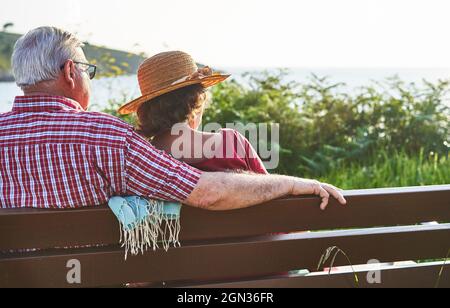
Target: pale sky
column 256, row 33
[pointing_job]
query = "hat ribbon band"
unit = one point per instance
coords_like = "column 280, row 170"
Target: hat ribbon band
column 199, row 74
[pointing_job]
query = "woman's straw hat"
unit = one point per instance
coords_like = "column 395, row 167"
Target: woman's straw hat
column 167, row 72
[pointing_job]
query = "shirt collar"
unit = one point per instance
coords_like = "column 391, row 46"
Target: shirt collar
column 45, row 103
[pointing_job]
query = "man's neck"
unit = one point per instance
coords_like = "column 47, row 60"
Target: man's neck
column 45, row 88
column 44, row 93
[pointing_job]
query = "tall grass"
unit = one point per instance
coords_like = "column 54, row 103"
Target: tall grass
column 391, row 170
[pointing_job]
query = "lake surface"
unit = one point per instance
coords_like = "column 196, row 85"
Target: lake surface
column 126, row 87
column 103, row 90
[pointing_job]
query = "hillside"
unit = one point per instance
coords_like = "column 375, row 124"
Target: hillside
column 7, row 41
column 110, row 62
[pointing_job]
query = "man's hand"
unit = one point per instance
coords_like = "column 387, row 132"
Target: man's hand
column 323, row 190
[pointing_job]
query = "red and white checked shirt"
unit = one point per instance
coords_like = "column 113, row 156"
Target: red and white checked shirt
column 53, row 154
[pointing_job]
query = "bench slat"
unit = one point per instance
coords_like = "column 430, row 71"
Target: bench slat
column 417, row 276
column 26, row 228
column 239, row 258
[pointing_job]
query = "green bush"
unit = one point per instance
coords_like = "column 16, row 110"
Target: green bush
column 323, row 127
column 397, row 169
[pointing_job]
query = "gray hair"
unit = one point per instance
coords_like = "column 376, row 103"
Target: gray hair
column 39, row 54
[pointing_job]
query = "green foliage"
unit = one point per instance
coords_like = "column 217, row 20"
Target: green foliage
column 383, row 135
column 397, row 169
column 112, row 63
column 7, row 25
column 113, row 106
column 7, row 41
column 322, row 127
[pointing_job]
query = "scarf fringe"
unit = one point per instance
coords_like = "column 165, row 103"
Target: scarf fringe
column 145, row 235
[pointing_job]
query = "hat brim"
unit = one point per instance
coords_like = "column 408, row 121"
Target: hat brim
column 206, row 82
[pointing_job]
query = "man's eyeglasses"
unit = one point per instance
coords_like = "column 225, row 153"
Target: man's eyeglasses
column 91, row 69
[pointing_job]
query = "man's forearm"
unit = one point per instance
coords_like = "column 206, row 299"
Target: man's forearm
column 228, row 191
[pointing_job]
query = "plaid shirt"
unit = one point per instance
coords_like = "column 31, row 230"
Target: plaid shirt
column 53, row 154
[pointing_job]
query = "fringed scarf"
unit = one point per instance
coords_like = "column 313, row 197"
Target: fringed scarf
column 141, row 223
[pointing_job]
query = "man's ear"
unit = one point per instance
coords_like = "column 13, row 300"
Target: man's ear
column 69, row 73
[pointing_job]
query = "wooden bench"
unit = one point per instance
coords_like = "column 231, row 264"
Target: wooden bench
column 234, row 249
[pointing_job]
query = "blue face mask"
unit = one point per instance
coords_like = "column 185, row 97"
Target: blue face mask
column 143, row 223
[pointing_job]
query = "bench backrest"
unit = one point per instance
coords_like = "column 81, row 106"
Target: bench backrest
column 236, row 248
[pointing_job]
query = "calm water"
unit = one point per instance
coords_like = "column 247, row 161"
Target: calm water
column 103, row 90
column 126, row 87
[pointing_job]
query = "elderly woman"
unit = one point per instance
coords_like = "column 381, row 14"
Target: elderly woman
column 172, row 102
column 169, row 115
column 177, row 99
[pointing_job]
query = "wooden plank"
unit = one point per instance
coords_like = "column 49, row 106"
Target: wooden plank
column 238, row 258
column 366, row 208
column 417, row 276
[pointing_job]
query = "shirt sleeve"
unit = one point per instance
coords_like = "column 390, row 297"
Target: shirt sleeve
column 156, row 175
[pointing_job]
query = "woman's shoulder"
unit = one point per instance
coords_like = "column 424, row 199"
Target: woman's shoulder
column 234, row 135
column 229, row 132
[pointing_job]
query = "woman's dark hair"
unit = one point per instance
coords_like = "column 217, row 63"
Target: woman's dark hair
column 161, row 113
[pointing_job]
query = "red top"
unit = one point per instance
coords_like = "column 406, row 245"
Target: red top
column 53, row 154
column 241, row 156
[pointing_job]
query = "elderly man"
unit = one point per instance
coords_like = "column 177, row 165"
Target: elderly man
column 55, row 154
